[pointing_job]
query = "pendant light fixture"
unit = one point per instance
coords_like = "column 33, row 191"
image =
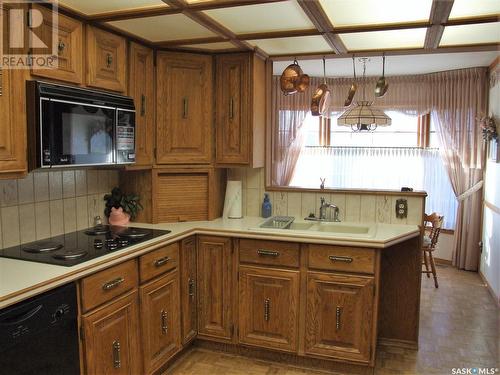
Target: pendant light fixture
column 363, row 116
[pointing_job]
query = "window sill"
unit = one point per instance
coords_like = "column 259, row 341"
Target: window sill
column 350, row 191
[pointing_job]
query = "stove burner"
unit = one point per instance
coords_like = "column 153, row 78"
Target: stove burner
column 42, row 247
column 98, row 229
column 70, row 254
column 134, row 233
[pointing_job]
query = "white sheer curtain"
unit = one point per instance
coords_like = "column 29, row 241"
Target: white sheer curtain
column 380, row 168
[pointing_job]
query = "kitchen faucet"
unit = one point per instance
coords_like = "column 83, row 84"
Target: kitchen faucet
column 324, row 205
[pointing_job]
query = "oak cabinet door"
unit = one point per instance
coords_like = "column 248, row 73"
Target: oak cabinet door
column 339, row 316
column 106, row 60
column 111, row 338
column 268, row 307
column 69, row 47
column 141, row 89
column 214, row 255
column 233, row 121
column 184, row 108
column 188, row 289
column 160, row 321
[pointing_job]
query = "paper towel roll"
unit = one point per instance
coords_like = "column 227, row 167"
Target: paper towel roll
column 233, row 201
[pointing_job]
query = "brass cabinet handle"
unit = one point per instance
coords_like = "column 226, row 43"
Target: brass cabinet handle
column 338, row 314
column 268, row 253
column 191, row 286
column 143, row 105
column 160, row 262
column 336, row 258
column 231, row 109
column 113, row 283
column 185, row 107
column 61, row 46
column 267, row 307
column 164, row 323
column 117, row 361
column 109, row 60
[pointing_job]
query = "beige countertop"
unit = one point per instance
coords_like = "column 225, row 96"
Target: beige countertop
column 22, row 279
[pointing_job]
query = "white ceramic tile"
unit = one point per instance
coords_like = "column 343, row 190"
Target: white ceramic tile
column 294, row 205
column 10, row 226
column 42, row 219
column 41, row 185
column 253, row 202
column 69, row 208
column 55, row 185
column 103, row 181
column 339, row 200
column 308, row 204
column 68, row 180
column 383, row 207
column 8, row 193
column 92, row 182
column 93, row 205
column 27, row 226
column 82, row 213
column 25, row 189
column 415, row 210
column 353, row 207
column 394, row 219
column 253, row 178
column 368, row 209
column 80, row 182
column 56, row 217
column 280, row 203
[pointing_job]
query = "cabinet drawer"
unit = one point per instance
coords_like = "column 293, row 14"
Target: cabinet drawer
column 107, row 284
column 272, row 253
column 159, row 261
column 341, row 258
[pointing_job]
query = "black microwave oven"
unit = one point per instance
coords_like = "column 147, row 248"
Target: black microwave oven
column 70, row 126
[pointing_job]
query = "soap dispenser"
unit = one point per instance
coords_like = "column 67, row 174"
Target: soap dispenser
column 266, row 206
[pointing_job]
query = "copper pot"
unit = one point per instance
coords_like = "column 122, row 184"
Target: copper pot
column 320, row 100
column 289, row 77
column 302, row 83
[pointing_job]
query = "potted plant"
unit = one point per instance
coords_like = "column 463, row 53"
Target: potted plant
column 120, row 207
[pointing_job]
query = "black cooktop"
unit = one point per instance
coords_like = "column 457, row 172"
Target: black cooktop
column 77, row 247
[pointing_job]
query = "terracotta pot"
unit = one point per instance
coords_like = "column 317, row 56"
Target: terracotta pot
column 118, row 217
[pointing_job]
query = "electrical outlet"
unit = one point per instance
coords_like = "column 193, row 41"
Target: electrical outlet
column 401, row 208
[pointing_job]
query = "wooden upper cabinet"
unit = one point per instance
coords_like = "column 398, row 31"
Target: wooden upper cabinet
column 240, row 109
column 339, row 316
column 269, row 308
column 214, row 256
column 106, row 60
column 69, row 47
column 111, row 335
column 188, row 289
column 184, row 108
column 13, row 159
column 141, row 88
column 160, row 321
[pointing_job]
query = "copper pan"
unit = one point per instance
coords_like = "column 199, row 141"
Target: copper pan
column 289, row 77
column 382, row 85
column 354, row 86
column 321, row 97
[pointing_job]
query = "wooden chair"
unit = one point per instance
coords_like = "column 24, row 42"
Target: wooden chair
column 433, row 225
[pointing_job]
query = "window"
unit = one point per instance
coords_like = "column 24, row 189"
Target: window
column 403, row 154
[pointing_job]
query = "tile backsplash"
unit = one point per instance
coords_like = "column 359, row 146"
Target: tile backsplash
column 46, row 204
column 353, row 207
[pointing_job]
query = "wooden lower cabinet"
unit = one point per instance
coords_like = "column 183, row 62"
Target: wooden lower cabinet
column 269, row 307
column 215, row 295
column 188, row 289
column 339, row 316
column 160, row 321
column 111, row 335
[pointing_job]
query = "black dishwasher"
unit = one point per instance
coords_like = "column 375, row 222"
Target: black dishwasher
column 40, row 335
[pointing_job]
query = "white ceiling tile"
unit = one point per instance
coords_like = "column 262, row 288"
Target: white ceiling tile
column 368, row 12
column 471, row 34
column 375, row 40
column 295, row 45
column 469, row 8
column 163, row 28
column 280, row 16
column 102, row 6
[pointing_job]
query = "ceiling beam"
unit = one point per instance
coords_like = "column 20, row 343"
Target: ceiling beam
column 219, row 4
column 313, row 10
column 134, row 13
column 440, row 11
column 186, row 42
